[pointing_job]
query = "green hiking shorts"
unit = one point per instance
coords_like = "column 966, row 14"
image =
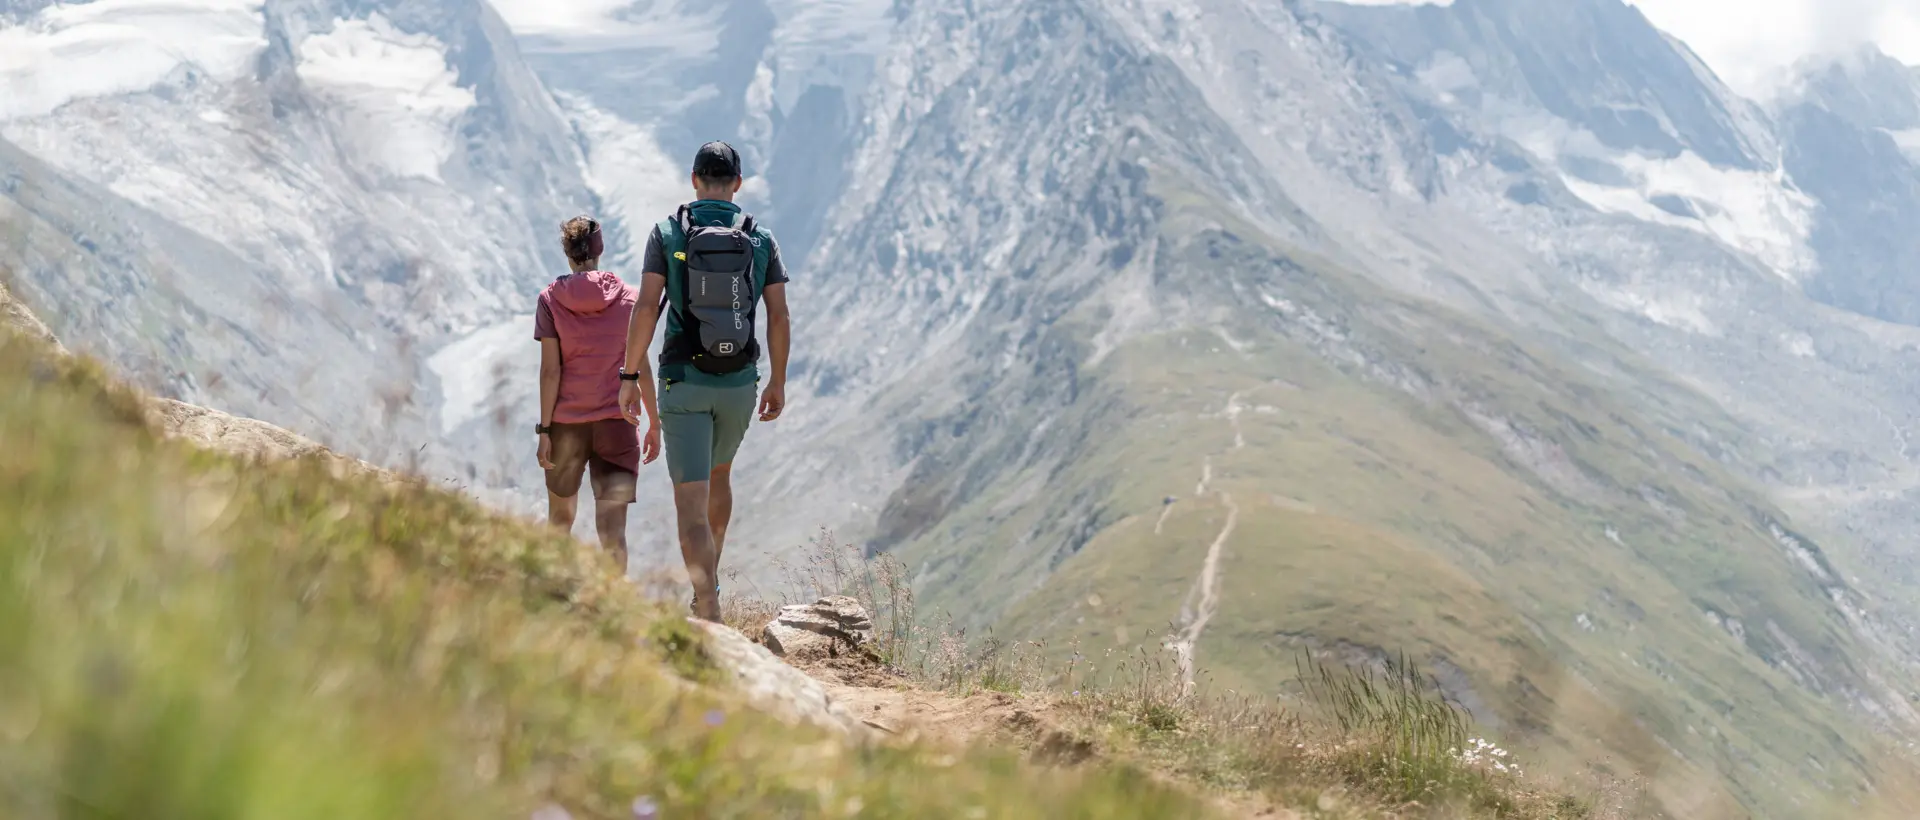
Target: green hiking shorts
column 702, row 426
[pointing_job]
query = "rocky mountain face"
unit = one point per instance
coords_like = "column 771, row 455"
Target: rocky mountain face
column 1763, row 278
column 1618, row 211
column 1501, row 333
column 1853, row 131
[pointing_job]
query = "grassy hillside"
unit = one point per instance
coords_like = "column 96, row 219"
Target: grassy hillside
column 1401, row 478
column 186, row 635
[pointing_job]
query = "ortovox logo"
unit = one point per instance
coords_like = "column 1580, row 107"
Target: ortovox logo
column 737, row 318
column 726, row 348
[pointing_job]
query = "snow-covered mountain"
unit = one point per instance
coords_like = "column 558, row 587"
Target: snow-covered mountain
column 1500, row 330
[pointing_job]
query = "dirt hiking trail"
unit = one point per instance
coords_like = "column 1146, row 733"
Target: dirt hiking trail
column 1043, row 728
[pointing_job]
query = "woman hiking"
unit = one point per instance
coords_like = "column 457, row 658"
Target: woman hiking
column 581, row 323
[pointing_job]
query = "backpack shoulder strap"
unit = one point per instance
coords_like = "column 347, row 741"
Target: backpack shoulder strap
column 673, row 245
column 756, row 265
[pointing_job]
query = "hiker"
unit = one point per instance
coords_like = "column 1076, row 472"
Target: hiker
column 581, row 323
column 709, row 266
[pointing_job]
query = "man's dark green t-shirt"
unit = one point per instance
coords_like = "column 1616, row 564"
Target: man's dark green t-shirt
column 771, row 271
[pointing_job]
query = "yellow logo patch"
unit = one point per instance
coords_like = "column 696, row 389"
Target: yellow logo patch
column 680, row 255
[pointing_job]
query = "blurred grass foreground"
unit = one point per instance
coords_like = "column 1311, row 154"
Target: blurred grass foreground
column 184, row 634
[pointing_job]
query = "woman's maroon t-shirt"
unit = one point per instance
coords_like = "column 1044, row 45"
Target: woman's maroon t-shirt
column 588, row 312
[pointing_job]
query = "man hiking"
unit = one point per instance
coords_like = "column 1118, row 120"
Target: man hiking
column 709, row 266
column 581, row 322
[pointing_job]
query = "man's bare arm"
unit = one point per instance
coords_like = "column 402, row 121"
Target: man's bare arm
column 646, row 317
column 779, row 333
column 773, row 400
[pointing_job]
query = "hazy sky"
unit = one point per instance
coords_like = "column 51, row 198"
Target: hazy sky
column 1747, row 41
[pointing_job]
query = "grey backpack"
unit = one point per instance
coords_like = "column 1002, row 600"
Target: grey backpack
column 711, row 283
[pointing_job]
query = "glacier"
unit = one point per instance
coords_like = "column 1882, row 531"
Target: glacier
column 396, row 98
column 71, row 51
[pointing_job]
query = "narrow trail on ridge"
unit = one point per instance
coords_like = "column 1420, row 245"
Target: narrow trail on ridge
column 1204, row 598
column 1899, row 433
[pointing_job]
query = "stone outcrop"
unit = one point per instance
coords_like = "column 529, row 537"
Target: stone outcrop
column 830, row 627
column 14, row 315
column 215, row 430
column 248, row 438
column 772, row 686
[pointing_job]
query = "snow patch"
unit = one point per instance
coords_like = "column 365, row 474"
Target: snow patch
column 1683, row 311
column 756, row 126
column 1909, row 142
column 68, row 52
column 478, row 368
column 397, row 97
column 1756, row 212
column 1446, row 73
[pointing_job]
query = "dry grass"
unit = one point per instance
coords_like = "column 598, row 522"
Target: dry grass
column 1359, row 743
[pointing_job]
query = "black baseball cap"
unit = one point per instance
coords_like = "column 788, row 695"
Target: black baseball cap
column 717, row 160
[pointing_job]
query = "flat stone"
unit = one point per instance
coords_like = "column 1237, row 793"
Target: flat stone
column 825, row 628
column 807, row 619
column 774, row 687
column 795, row 643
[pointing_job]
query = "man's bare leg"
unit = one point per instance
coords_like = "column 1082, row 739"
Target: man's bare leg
column 610, row 521
column 719, row 511
column 561, row 511
column 696, row 546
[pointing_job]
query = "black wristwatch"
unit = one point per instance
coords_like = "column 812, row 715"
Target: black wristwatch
column 628, row 377
column 543, row 429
